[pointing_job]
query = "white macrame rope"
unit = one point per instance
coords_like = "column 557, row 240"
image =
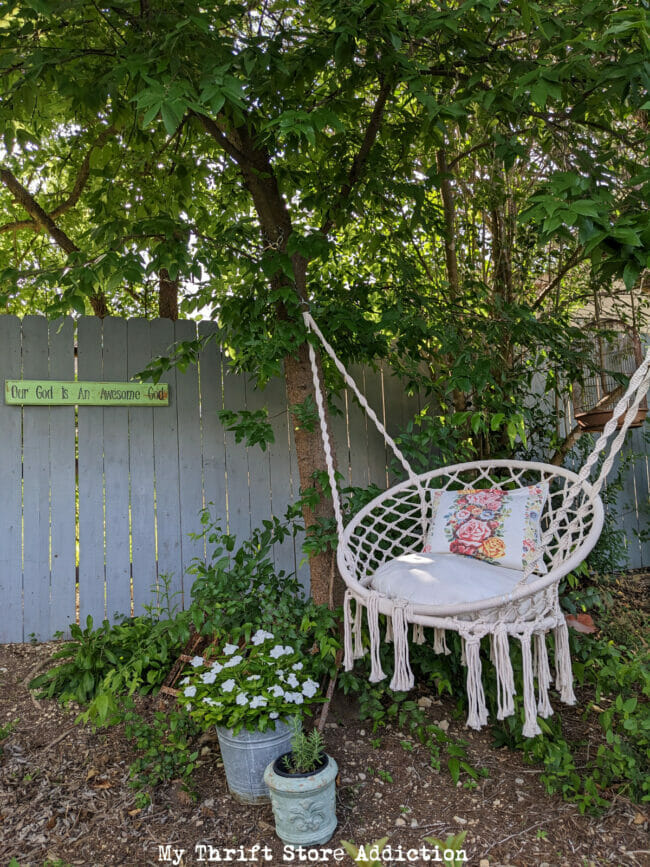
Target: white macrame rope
column 631, row 400
column 329, row 459
column 372, row 415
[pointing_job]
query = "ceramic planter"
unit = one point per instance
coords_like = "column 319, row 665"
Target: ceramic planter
column 246, row 755
column 304, row 805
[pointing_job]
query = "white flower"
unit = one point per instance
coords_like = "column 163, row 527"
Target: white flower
column 280, row 673
column 228, row 685
column 274, row 715
column 260, row 636
column 276, row 651
column 298, row 666
column 254, row 677
column 242, row 698
column 216, row 667
column 229, row 649
column 294, row 697
column 276, row 690
column 258, row 701
column 233, row 661
column 310, row 688
column 189, row 691
column 288, row 650
column 196, row 661
column 292, row 680
column 211, row 701
column 185, row 681
column 209, row 677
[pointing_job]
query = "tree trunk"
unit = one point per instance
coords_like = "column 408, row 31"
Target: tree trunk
column 275, row 223
column 167, row 296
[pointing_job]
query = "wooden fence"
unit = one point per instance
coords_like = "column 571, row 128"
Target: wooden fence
column 97, row 503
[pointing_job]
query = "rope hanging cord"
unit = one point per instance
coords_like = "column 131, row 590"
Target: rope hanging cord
column 372, row 415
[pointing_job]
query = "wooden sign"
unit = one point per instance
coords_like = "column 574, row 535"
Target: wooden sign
column 53, row 393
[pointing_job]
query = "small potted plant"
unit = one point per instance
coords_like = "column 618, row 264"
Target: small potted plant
column 249, row 691
column 302, row 784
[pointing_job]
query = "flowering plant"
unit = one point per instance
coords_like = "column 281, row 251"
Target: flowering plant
column 249, row 686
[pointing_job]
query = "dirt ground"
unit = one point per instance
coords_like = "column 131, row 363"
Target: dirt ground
column 64, row 796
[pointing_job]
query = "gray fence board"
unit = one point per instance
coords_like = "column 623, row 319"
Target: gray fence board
column 141, row 471
column 36, row 493
column 358, row 433
column 282, row 494
column 62, row 482
column 189, row 455
column 116, row 474
column 92, row 574
column 11, row 580
column 165, row 428
column 212, row 435
column 377, row 465
column 238, row 492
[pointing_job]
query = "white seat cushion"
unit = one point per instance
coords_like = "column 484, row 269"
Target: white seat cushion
column 443, row 579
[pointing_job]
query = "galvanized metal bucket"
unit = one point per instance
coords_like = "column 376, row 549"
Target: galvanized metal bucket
column 246, row 756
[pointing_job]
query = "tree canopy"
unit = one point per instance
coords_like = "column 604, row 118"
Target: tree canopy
column 442, row 181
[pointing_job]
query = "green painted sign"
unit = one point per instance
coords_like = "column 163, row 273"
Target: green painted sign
column 53, row 393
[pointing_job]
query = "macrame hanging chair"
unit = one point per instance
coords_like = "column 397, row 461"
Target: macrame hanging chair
column 521, row 605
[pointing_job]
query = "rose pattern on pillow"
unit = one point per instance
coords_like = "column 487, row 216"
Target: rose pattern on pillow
column 474, row 523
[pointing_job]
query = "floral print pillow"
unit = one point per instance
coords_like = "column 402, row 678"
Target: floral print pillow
column 497, row 526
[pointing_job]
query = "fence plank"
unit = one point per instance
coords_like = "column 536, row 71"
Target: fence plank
column 62, row 484
column 92, row 574
column 116, row 474
column 376, row 446
column 165, row 431
column 239, row 518
column 141, row 470
column 11, row 567
column 36, row 490
column 358, row 433
column 189, row 455
column 259, row 468
column 212, row 437
column 280, row 459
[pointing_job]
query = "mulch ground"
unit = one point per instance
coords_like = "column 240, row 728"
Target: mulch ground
column 64, row 795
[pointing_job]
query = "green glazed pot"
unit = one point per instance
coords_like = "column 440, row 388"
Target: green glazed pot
column 304, row 805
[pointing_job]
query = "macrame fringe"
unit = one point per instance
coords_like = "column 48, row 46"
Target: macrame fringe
column 478, row 714
column 463, row 654
column 563, row 672
column 372, row 608
column 500, row 652
column 403, row 679
column 359, row 650
column 543, row 674
column 388, row 638
column 347, row 631
column 418, row 633
column 531, row 728
column 440, row 642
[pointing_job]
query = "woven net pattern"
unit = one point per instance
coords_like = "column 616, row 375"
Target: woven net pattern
column 397, row 522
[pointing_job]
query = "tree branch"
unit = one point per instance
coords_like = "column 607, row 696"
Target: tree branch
column 359, row 161
column 40, row 217
column 574, row 259
column 80, row 182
